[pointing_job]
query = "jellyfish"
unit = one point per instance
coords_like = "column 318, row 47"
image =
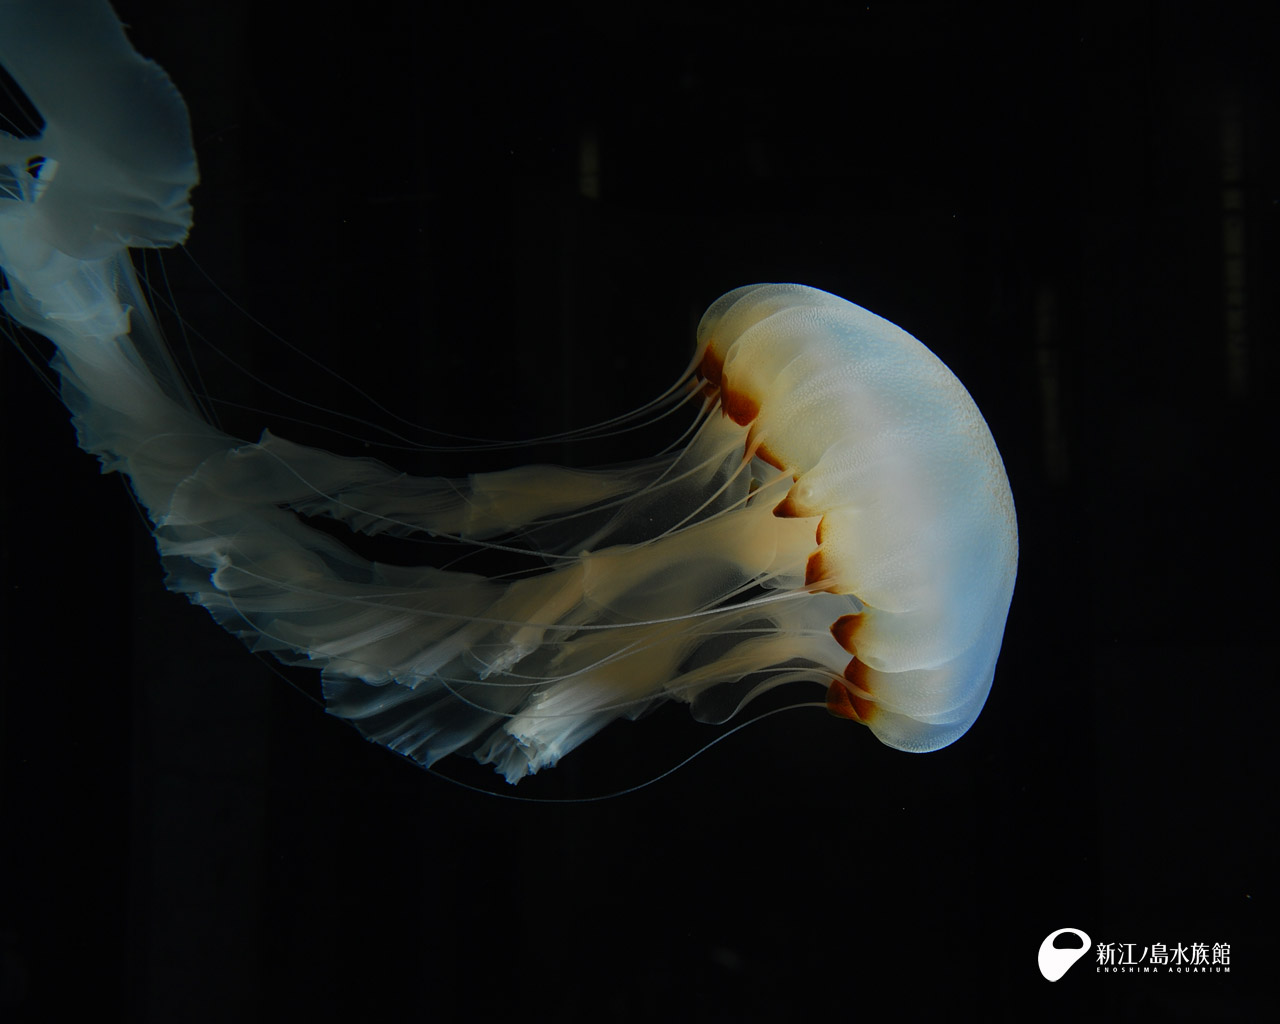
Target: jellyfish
column 839, row 517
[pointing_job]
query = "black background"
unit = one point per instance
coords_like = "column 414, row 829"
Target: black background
column 1076, row 209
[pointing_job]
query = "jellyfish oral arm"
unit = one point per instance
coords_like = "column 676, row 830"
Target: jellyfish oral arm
column 113, row 168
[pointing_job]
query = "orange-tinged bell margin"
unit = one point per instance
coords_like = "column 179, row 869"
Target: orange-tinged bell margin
column 843, row 698
column 850, row 697
column 740, row 407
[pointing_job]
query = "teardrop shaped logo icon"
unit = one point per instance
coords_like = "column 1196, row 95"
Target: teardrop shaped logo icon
column 1054, row 962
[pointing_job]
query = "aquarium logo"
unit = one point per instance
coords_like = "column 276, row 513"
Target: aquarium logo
column 1054, row 961
column 1125, row 958
column 1163, row 958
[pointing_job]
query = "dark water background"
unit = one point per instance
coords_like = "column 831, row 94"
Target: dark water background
column 506, row 225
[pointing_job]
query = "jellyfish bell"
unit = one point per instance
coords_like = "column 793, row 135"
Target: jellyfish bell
column 839, row 516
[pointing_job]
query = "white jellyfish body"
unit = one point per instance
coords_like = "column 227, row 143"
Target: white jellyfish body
column 841, row 516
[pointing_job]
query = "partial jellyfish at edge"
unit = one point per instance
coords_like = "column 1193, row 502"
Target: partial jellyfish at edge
column 840, row 516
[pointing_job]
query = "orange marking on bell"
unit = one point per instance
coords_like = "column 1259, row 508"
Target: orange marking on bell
column 786, row 509
column 845, row 630
column 763, row 453
column 815, row 569
column 858, row 676
column 843, row 702
column 712, row 367
column 739, row 407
